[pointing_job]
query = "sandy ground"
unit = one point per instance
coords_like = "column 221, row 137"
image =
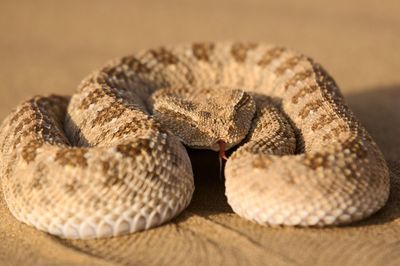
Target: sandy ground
column 48, row 47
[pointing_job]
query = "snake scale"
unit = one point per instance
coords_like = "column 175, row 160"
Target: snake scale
column 111, row 159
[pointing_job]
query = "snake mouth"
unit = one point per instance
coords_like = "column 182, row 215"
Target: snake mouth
column 222, row 155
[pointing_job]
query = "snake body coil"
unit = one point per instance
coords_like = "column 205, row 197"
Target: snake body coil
column 110, row 160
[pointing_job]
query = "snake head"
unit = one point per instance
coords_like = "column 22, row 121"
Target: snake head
column 203, row 117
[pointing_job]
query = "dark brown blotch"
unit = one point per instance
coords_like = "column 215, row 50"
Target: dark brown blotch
column 72, row 157
column 303, row 92
column 322, row 121
column 39, row 180
column 22, row 112
column 291, row 63
column 301, row 76
column 114, row 110
column 110, row 170
column 202, row 51
column 134, row 149
column 29, row 151
column 310, row 107
column 72, row 186
column 93, row 97
column 261, row 162
column 342, row 128
column 163, row 56
column 135, row 65
column 271, row 55
column 239, row 51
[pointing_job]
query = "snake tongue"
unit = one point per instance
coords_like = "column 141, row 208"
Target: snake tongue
column 222, row 155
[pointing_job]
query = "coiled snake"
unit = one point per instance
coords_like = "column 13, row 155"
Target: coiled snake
column 110, row 159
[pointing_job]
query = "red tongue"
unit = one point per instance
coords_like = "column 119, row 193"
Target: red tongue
column 222, row 155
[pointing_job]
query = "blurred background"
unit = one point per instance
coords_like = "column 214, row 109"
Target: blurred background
column 49, row 46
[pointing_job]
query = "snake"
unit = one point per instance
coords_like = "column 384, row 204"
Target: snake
column 111, row 159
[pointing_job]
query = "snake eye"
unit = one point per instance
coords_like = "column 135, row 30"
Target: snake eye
column 243, row 99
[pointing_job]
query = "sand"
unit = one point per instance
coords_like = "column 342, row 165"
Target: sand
column 48, row 47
